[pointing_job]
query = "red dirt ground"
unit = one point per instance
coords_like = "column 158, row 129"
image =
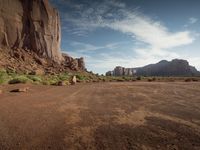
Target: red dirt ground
column 111, row 116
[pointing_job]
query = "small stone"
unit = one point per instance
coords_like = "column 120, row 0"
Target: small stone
column 1, row 92
column 20, row 90
column 61, row 83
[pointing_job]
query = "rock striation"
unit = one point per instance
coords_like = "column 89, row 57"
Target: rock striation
column 176, row 67
column 33, row 25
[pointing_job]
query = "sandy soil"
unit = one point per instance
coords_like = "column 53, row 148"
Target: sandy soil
column 110, row 116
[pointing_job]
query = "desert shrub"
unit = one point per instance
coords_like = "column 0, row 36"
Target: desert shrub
column 11, row 71
column 63, row 77
column 127, row 78
column 2, row 71
column 151, row 79
column 191, row 79
column 133, row 80
column 104, row 80
column 35, row 78
column 3, row 76
column 195, row 79
column 169, row 79
column 139, row 78
column 45, row 82
column 51, row 80
column 188, row 80
column 82, row 77
column 120, row 79
column 19, row 79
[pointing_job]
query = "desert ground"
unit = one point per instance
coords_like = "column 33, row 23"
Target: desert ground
column 102, row 116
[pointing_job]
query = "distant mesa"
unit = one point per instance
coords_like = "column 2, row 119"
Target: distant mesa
column 30, row 30
column 176, row 67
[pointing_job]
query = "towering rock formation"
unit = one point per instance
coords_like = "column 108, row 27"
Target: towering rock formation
column 33, row 26
column 176, row 67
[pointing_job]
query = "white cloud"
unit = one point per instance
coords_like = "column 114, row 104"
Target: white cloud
column 81, row 47
column 131, row 22
column 158, row 41
column 191, row 21
column 151, row 32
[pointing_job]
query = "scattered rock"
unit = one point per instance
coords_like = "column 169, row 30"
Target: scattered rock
column 20, row 90
column 74, row 80
column 40, row 61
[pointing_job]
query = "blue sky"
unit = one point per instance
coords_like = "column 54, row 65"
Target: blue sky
column 130, row 33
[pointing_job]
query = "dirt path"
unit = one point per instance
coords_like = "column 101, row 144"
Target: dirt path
column 111, row 116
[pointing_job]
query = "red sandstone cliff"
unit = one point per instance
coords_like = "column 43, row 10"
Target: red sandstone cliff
column 32, row 25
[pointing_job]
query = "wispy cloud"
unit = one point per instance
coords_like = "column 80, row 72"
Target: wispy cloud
column 192, row 20
column 85, row 47
column 117, row 16
column 131, row 22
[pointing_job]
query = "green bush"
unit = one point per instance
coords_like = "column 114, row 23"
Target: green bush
column 3, row 76
column 120, row 80
column 154, row 78
column 51, row 81
column 63, row 77
column 35, row 78
column 139, row 78
column 19, row 79
column 80, row 77
column 188, row 80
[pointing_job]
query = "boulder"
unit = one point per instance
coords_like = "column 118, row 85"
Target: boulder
column 74, row 80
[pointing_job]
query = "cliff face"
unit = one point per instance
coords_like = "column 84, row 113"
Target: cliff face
column 176, row 67
column 30, row 24
column 32, row 27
